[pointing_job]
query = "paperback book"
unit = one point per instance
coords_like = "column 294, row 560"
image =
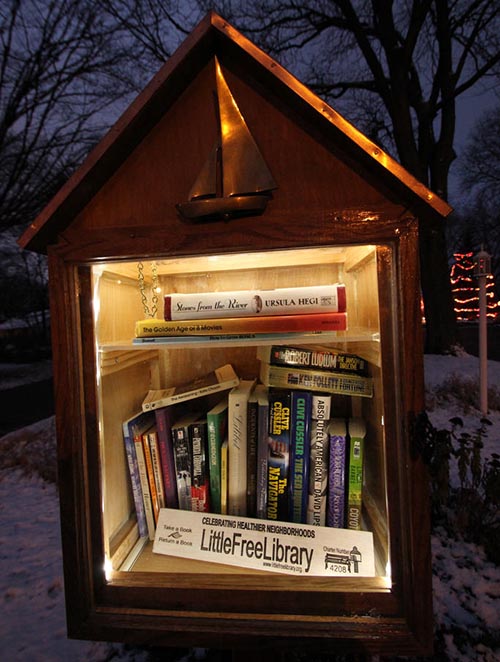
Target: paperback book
column 183, row 459
column 254, row 303
column 217, row 431
column 200, row 484
column 237, row 446
column 164, row 419
column 312, row 356
column 278, row 463
column 299, row 455
column 221, row 379
column 316, row 380
column 262, row 450
column 357, row 432
column 337, row 440
column 240, row 325
column 318, row 474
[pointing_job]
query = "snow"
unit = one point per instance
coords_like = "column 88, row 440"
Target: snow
column 466, row 585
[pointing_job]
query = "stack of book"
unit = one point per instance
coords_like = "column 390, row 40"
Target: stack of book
column 271, row 449
column 308, row 309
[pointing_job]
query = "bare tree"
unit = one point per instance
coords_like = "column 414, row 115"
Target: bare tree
column 64, row 74
column 396, row 69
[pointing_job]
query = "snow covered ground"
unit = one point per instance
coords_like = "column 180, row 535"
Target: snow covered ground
column 32, row 623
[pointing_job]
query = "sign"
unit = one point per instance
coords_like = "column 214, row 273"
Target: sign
column 294, row 549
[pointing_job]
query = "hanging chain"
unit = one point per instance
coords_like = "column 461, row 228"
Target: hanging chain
column 154, row 289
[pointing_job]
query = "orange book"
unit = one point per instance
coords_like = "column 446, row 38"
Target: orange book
column 236, row 325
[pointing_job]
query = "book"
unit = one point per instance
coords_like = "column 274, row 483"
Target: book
column 311, row 356
column 316, row 380
column 183, row 458
column 278, row 459
column 337, row 439
column 137, row 428
column 237, row 447
column 221, row 379
column 200, row 483
column 357, row 433
column 262, row 450
column 164, row 418
column 299, row 455
column 128, row 428
column 156, row 461
column 216, row 431
column 238, row 325
column 236, row 338
column 252, row 433
column 318, row 473
column 251, row 303
column 155, row 502
column 224, row 462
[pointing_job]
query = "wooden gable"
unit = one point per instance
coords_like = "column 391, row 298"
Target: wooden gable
column 129, row 186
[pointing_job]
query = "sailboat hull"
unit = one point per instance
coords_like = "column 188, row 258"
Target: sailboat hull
column 223, row 208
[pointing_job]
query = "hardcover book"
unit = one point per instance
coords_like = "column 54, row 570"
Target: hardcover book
column 337, row 439
column 200, row 484
column 311, row 356
column 183, row 458
column 318, row 473
column 278, row 463
column 164, row 419
column 300, row 455
column 224, row 462
column 216, row 431
column 139, row 422
column 254, row 303
column 262, row 450
column 242, row 325
column 357, row 433
column 221, row 379
column 316, row 380
column 237, row 446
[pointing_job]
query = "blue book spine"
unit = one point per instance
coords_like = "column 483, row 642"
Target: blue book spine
column 337, row 474
column 300, row 455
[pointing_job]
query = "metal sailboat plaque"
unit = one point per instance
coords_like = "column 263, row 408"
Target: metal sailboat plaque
column 235, row 180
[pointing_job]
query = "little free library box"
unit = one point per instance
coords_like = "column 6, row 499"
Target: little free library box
column 236, row 323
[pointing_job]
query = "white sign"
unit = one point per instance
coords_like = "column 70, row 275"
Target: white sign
column 295, row 549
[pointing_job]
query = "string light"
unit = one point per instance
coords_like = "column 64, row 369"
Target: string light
column 466, row 292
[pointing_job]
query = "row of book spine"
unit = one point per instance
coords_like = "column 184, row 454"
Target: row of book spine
column 267, row 453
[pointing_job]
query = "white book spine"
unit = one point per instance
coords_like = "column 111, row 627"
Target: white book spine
column 237, row 448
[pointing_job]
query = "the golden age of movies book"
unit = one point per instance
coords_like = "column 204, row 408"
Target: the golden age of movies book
column 315, row 322
column 284, row 547
column 221, row 379
column 255, row 303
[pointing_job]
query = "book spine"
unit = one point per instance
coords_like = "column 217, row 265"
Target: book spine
column 224, row 473
column 235, row 325
column 282, row 301
column 262, row 453
column 200, row 484
column 164, row 429
column 312, row 380
column 309, row 357
column 216, row 431
column 318, row 475
column 252, row 423
column 146, row 496
column 157, row 472
column 135, row 482
column 357, row 432
column 237, row 448
column 151, row 477
column 278, row 464
column 336, row 474
column 183, row 469
column 299, row 455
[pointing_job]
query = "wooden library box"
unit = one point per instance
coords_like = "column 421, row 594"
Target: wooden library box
column 227, row 178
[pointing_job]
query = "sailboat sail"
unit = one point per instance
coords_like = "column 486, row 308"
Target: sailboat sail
column 235, row 179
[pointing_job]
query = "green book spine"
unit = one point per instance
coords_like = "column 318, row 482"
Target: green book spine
column 357, row 432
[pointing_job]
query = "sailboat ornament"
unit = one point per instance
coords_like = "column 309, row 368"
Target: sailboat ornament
column 235, row 180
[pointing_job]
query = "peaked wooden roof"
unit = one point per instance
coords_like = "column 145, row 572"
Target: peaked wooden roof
column 212, row 37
